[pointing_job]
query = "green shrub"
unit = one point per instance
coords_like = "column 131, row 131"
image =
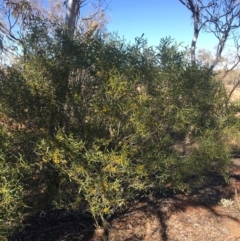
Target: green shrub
column 131, row 119
column 12, row 171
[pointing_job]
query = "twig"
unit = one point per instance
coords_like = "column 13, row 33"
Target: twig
column 233, row 89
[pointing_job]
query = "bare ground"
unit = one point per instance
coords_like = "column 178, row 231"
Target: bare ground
column 199, row 216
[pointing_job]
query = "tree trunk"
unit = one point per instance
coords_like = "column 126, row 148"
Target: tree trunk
column 58, row 117
column 73, row 9
column 195, row 10
column 195, row 36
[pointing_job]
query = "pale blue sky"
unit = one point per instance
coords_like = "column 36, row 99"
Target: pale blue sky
column 156, row 19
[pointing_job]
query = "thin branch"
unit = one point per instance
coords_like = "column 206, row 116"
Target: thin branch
column 233, row 89
column 8, row 34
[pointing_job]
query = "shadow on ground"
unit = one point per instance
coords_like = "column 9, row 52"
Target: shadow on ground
column 145, row 220
column 57, row 225
column 156, row 217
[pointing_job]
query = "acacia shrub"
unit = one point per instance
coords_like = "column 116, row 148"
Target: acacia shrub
column 135, row 144
column 135, row 119
column 13, row 169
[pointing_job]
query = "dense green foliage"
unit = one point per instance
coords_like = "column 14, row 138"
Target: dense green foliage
column 97, row 122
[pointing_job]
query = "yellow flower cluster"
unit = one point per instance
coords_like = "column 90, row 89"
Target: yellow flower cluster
column 140, row 167
column 106, row 210
column 110, row 168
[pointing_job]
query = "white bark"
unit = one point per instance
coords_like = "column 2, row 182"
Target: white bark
column 73, row 10
column 219, row 17
column 195, row 10
column 196, row 13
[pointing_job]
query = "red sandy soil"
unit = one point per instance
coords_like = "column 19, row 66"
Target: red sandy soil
column 196, row 217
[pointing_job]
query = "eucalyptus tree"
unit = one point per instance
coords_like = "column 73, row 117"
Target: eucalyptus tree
column 218, row 17
column 73, row 10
